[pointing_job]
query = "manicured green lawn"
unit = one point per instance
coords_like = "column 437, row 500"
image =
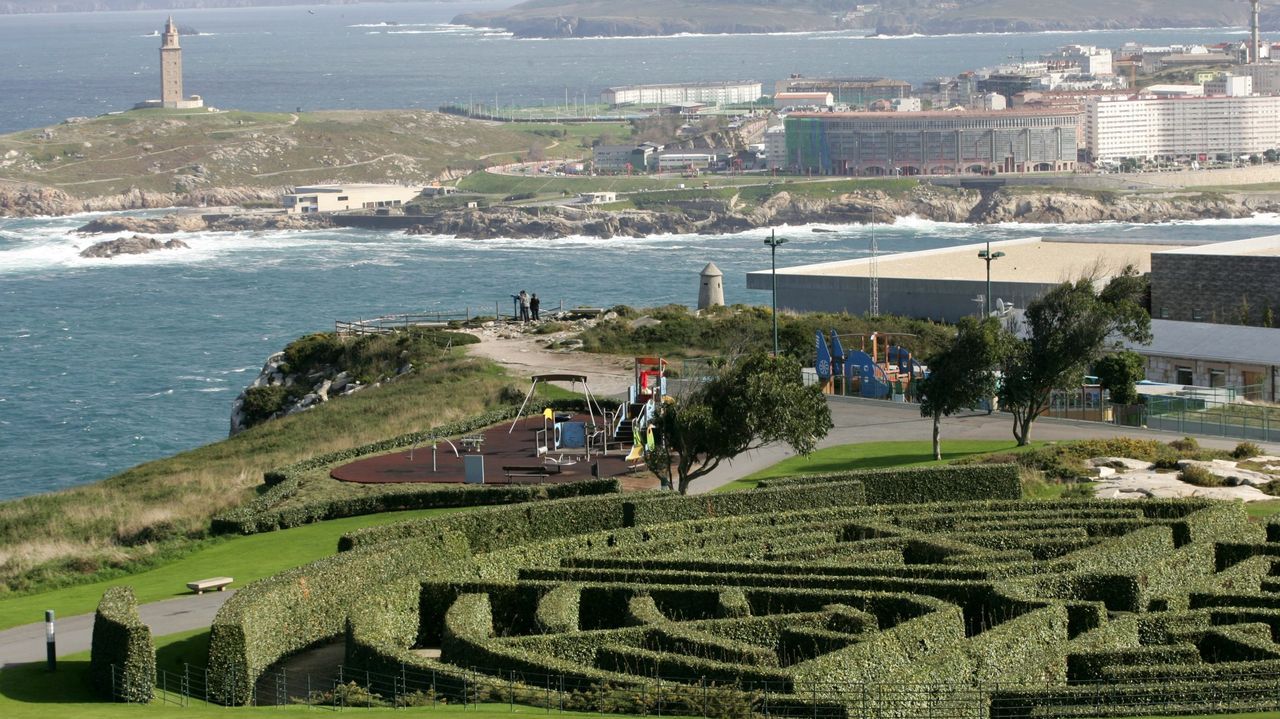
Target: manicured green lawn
column 1263, row 510
column 245, row 558
column 874, row 455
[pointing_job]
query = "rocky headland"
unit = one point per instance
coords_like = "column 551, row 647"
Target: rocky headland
column 22, row 199
column 725, row 216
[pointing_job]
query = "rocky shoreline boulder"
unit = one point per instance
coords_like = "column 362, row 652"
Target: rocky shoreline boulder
column 136, row 245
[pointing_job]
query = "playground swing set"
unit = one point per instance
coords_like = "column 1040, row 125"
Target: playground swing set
column 563, row 441
column 878, row 369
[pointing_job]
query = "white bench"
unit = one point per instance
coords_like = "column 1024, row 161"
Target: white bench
column 200, row 586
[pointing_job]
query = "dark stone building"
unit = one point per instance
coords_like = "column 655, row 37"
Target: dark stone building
column 1226, row 282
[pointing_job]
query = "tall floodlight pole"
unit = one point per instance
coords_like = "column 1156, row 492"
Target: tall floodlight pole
column 987, row 255
column 773, row 242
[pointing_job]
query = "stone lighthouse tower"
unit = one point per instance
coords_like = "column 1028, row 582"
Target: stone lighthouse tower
column 170, row 67
column 711, row 291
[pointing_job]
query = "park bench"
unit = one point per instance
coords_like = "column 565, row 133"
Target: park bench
column 200, row 586
column 541, row 471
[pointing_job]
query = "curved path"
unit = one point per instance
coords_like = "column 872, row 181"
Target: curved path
column 855, row 420
column 25, row 644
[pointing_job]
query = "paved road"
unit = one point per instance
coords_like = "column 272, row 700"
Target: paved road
column 861, row 420
column 855, row 420
column 24, row 644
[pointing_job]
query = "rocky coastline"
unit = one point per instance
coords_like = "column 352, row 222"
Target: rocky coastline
column 21, row 199
column 725, row 216
column 136, row 245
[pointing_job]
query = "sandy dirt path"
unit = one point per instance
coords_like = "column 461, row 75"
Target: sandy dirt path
column 527, row 355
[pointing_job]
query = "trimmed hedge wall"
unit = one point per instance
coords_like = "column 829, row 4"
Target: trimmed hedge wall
column 947, row 483
column 263, row 515
column 608, row 590
column 122, row 661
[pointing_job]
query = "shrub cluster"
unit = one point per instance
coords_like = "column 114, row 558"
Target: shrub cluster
column 122, row 660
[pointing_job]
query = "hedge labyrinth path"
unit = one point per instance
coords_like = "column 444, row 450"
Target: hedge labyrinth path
column 811, row 598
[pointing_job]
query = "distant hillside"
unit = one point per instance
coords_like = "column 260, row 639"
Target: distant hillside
column 13, row 7
column 195, row 152
column 612, row 18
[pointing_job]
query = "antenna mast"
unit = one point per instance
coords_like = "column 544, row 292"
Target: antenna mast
column 875, row 275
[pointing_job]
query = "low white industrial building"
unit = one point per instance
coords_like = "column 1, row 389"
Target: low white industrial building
column 803, row 99
column 1212, row 355
column 337, row 198
column 944, row 284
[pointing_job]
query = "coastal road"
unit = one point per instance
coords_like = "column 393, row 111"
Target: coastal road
column 861, row 420
column 25, row 644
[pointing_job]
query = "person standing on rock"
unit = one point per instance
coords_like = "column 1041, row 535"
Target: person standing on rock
column 524, row 305
column 534, row 304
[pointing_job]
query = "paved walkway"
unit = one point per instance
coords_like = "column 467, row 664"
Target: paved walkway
column 855, row 420
column 24, row 644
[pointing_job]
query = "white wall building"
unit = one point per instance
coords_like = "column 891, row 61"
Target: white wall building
column 803, row 99
column 775, row 147
column 336, row 198
column 1181, row 126
column 907, row 104
column 708, row 93
column 1229, row 85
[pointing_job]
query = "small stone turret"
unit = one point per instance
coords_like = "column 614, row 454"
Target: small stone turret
column 711, row 291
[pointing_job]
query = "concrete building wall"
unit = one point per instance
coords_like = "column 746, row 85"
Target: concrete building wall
column 1209, row 288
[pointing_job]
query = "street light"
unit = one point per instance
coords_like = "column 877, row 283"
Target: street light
column 773, row 242
column 988, row 256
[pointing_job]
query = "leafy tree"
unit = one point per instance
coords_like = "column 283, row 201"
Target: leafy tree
column 1119, row 373
column 754, row 401
column 1067, row 330
column 962, row 375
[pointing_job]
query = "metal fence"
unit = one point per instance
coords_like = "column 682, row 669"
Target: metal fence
column 346, row 688
column 1238, row 412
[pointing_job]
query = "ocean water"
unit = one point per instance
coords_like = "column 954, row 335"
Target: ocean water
column 348, row 56
column 108, row 363
column 105, row 363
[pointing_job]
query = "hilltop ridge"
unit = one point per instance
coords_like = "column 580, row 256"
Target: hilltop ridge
column 613, row 18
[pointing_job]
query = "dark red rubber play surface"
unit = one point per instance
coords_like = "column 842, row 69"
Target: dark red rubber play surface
column 500, row 449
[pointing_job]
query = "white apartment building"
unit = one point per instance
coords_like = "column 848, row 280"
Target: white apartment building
column 1181, row 126
column 775, row 147
column 707, row 93
column 1091, row 60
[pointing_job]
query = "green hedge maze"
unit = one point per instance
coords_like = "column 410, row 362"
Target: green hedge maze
column 801, row 599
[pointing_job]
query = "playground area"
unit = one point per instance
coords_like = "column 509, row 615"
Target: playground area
column 873, row 367
column 497, row 449
column 547, row 446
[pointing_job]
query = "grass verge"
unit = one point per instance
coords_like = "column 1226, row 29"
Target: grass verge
column 874, row 455
column 245, row 558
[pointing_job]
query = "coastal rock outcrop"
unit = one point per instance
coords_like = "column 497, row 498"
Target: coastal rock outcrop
column 136, row 245
column 192, row 222
column 22, row 199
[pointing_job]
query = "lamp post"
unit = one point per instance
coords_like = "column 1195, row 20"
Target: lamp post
column 988, row 256
column 773, row 242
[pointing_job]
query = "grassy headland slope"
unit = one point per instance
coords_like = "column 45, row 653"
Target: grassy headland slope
column 154, row 510
column 578, row 18
column 216, row 156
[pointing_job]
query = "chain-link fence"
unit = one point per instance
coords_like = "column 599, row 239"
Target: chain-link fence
column 348, row 687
